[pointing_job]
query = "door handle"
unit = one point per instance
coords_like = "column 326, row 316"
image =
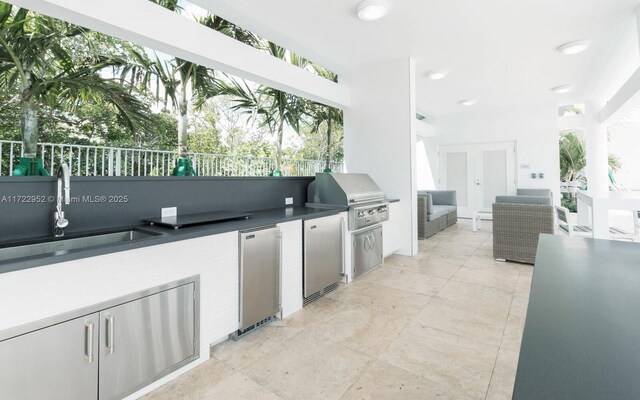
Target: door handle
column 367, row 243
column 373, row 238
column 88, row 341
column 110, row 333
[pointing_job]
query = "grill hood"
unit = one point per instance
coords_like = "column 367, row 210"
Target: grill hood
column 343, row 189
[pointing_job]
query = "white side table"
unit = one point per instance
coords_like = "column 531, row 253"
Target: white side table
column 479, row 216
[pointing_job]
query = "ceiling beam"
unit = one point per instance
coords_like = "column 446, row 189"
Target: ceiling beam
column 147, row 24
column 626, row 100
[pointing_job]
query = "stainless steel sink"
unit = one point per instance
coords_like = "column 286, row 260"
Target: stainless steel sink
column 61, row 246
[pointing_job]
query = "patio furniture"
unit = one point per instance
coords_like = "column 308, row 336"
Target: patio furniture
column 479, row 216
column 536, row 192
column 518, row 221
column 566, row 227
column 595, row 208
column 437, row 210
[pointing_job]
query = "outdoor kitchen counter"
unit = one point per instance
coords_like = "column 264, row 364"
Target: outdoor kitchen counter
column 167, row 235
column 581, row 334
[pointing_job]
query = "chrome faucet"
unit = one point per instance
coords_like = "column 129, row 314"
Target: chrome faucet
column 59, row 222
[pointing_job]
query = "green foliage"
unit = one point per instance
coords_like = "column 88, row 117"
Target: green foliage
column 569, row 203
column 572, row 156
column 92, row 89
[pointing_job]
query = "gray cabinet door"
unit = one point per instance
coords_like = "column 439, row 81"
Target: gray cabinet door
column 323, row 257
column 367, row 250
column 143, row 340
column 259, row 275
column 59, row 362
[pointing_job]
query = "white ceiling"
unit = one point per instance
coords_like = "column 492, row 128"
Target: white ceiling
column 499, row 51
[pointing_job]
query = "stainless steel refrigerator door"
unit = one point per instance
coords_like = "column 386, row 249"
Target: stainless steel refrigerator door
column 367, row 250
column 323, row 253
column 259, row 275
column 59, row 362
column 144, row 339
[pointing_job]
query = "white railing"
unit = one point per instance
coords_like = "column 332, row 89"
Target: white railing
column 116, row 161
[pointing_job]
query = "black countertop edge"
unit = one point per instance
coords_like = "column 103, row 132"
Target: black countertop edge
column 258, row 219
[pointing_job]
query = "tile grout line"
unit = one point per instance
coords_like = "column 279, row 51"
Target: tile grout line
column 495, row 362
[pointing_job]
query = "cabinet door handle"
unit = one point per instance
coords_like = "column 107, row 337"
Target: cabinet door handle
column 373, row 238
column 110, row 334
column 88, row 341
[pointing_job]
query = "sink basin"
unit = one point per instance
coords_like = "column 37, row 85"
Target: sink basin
column 61, row 246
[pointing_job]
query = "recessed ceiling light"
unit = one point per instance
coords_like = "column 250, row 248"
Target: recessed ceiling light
column 468, row 102
column 437, row 74
column 372, row 10
column 574, row 47
column 562, row 89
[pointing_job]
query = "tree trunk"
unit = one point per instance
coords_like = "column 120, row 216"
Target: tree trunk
column 279, row 145
column 183, row 108
column 328, row 166
column 28, row 119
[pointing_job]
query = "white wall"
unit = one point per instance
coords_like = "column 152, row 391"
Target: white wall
column 426, row 153
column 533, row 127
column 624, row 142
column 380, row 137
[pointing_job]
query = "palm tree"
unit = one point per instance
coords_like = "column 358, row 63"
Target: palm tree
column 321, row 113
column 572, row 156
column 34, row 56
column 275, row 107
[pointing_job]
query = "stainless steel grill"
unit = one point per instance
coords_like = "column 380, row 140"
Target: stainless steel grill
column 366, row 201
column 368, row 208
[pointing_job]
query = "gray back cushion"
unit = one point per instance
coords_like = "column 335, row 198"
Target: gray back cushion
column 525, row 200
column 534, row 192
column 443, row 197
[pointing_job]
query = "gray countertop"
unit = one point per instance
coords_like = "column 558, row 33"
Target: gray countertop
column 582, row 333
column 259, row 218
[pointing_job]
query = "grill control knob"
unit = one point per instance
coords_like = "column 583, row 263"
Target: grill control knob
column 371, row 212
column 360, row 214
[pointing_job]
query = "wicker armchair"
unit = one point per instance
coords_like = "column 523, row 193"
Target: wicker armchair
column 437, row 210
column 518, row 221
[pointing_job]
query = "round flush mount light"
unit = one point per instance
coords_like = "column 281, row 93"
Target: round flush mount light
column 562, row 89
column 372, row 10
column 437, row 74
column 468, row 102
column 575, row 47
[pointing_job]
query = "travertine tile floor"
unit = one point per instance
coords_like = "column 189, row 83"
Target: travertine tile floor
column 445, row 324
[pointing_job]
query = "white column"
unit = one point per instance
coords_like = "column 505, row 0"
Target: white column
column 597, row 150
column 380, row 139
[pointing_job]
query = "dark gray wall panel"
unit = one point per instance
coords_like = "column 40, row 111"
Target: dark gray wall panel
column 146, row 196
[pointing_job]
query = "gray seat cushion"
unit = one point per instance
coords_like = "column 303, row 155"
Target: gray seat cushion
column 547, row 201
column 450, row 209
column 438, row 211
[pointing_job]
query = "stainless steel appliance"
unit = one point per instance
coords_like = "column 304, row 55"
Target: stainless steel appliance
column 367, row 209
column 323, row 256
column 366, row 201
column 260, row 274
column 106, row 351
column 367, row 250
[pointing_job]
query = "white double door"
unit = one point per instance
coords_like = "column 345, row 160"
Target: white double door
column 478, row 173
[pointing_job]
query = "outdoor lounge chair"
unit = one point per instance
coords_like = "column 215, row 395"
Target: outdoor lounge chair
column 437, row 210
column 518, row 221
column 566, row 227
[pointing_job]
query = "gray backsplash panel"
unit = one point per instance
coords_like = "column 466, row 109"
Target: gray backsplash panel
column 26, row 206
